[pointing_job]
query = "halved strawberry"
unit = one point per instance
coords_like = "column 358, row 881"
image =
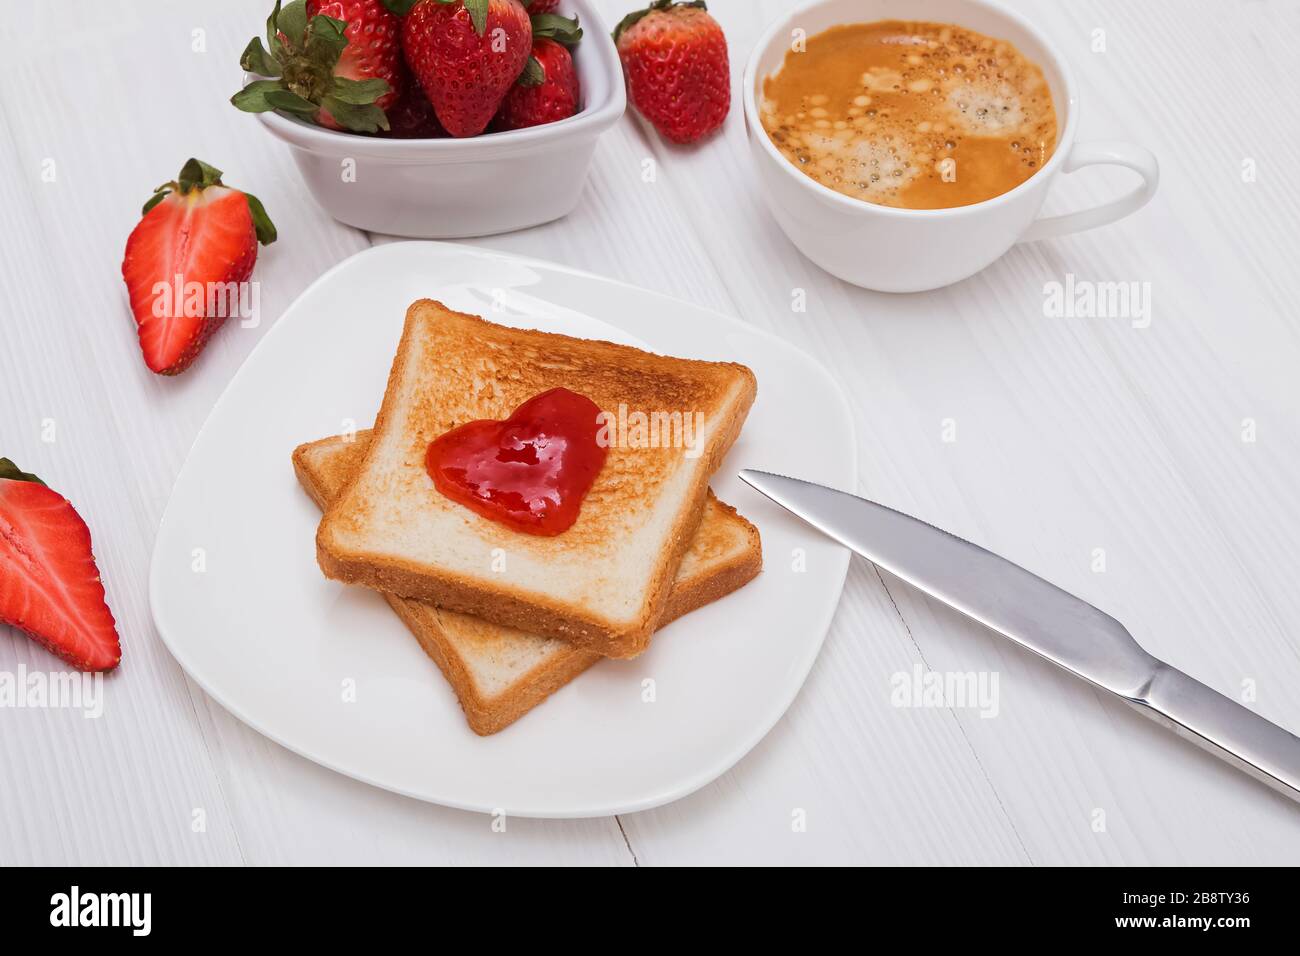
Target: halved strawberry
column 49, row 584
column 196, row 233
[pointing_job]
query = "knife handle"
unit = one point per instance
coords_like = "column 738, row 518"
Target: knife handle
column 1225, row 728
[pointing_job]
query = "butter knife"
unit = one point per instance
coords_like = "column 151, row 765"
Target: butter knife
column 1052, row 623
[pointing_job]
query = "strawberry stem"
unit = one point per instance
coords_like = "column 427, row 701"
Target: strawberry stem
column 196, row 174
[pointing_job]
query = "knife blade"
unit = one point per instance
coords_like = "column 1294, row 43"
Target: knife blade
column 1045, row 619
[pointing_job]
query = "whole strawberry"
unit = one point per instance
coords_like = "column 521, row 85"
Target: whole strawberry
column 374, row 47
column 548, row 88
column 675, row 60
column 49, row 584
column 541, row 97
column 197, row 242
column 465, row 54
column 338, row 62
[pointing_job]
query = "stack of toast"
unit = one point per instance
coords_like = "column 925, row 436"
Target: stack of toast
column 509, row 616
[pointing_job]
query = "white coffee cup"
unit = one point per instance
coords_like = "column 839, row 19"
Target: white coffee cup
column 912, row 250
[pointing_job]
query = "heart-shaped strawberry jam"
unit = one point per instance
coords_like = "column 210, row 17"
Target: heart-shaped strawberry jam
column 529, row 472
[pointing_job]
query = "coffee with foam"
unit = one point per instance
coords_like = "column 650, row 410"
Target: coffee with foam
column 913, row 115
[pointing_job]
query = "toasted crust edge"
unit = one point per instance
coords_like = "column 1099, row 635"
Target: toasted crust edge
column 487, row 715
column 536, row 613
column 718, row 583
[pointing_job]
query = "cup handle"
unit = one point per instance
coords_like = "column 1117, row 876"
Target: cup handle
column 1101, row 153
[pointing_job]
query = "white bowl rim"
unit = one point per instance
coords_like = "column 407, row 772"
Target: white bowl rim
column 594, row 118
column 1063, row 144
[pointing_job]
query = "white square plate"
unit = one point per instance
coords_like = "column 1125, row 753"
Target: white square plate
column 331, row 673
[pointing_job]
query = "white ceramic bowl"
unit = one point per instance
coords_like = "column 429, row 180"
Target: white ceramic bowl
column 456, row 188
column 911, row 250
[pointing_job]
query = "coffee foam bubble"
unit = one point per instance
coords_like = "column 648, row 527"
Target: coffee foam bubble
column 867, row 155
column 869, row 169
column 985, row 108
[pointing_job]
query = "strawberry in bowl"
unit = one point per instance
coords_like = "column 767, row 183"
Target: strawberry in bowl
column 501, row 139
column 339, row 63
column 392, row 66
column 548, row 90
column 466, row 55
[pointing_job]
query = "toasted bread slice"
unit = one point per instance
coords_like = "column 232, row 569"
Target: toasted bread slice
column 500, row 673
column 602, row 584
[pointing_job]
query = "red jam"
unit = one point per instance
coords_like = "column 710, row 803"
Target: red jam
column 529, row 472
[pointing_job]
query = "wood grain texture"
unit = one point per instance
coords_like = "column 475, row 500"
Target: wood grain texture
column 1071, row 435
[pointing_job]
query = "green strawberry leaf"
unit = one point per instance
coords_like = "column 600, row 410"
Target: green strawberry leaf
column 196, row 174
column 162, row 193
column 629, row 21
column 358, row 92
column 325, row 40
column 252, row 98
column 12, row 472
column 290, row 102
column 552, row 26
column 478, row 14
column 272, row 32
column 303, row 64
column 534, row 73
column 266, row 232
column 359, row 118
column 255, row 59
column 400, row 7
column 292, row 23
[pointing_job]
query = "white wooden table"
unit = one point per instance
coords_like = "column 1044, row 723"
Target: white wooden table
column 1079, row 444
